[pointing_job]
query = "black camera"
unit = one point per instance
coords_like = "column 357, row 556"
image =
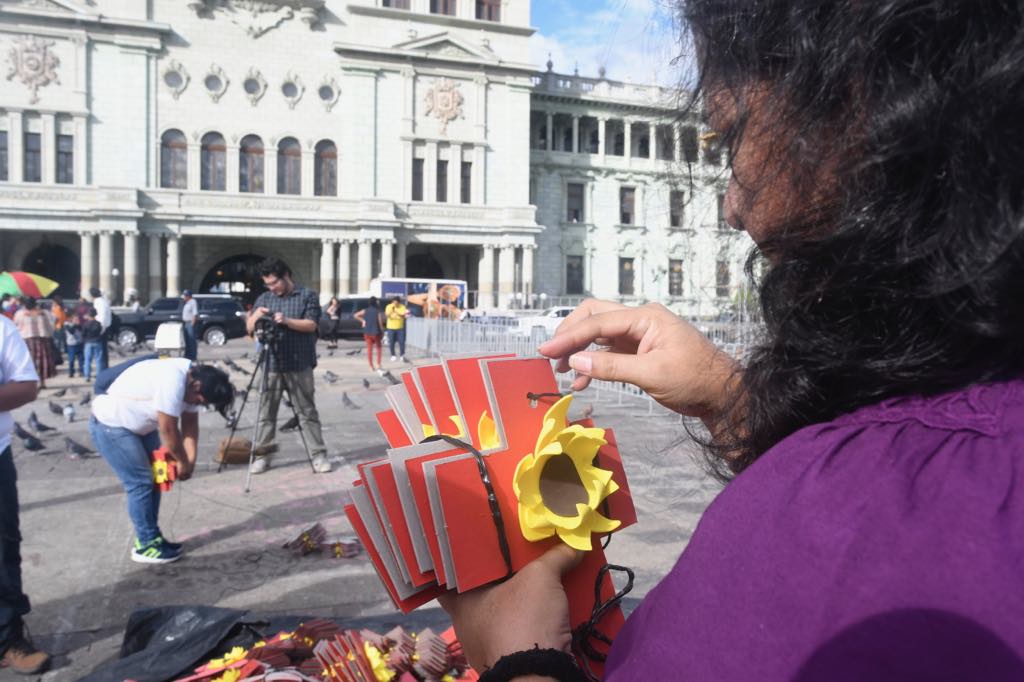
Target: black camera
column 267, row 331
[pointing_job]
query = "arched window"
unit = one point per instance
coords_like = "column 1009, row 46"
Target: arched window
column 289, row 166
column 325, row 169
column 250, row 164
column 173, row 160
column 213, row 173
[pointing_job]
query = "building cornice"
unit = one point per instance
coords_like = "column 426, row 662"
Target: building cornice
column 83, row 20
column 442, row 19
column 397, row 57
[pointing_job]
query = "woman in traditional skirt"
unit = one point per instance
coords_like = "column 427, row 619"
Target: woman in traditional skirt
column 36, row 327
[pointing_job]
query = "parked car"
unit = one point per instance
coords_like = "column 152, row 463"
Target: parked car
column 549, row 319
column 221, row 318
column 348, row 325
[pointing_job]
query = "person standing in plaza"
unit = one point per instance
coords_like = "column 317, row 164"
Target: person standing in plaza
column 153, row 403
column 104, row 316
column 396, row 313
column 92, row 343
column 295, row 311
column 18, row 386
column 72, row 333
column 60, row 316
column 36, row 327
column 372, row 320
column 189, row 318
column 333, row 312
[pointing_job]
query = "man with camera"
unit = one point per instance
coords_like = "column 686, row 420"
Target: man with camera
column 284, row 320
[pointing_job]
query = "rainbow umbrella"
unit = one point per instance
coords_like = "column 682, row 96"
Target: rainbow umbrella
column 26, row 284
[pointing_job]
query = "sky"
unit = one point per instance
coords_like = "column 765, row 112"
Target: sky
column 635, row 40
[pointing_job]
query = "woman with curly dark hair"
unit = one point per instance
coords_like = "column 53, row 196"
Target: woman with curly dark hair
column 872, row 529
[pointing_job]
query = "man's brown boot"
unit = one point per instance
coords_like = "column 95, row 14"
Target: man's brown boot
column 24, row 658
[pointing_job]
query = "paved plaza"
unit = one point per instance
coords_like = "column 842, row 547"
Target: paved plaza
column 77, row 536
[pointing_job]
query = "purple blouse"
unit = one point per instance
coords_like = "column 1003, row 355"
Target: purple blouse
column 885, row 545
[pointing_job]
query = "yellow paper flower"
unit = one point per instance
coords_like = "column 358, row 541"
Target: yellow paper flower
column 460, row 431
column 378, row 663
column 159, row 471
column 236, row 654
column 558, row 487
column 487, row 432
column 229, row 676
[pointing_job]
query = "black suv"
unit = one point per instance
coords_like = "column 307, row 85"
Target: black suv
column 220, row 318
column 347, row 324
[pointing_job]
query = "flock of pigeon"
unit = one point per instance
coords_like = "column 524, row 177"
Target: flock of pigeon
column 34, row 441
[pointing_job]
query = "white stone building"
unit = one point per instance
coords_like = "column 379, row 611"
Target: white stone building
column 159, row 145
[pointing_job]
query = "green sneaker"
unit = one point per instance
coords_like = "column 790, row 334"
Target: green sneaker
column 155, row 552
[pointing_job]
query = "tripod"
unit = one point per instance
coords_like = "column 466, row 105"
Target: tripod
column 263, row 372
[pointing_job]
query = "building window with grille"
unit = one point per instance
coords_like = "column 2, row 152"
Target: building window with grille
column 442, row 181
column 212, row 163
column 442, row 7
column 722, row 279
column 675, row 277
column 466, row 180
column 573, row 275
column 289, row 166
column 720, row 208
column 574, row 202
column 627, row 205
column 417, row 179
column 65, row 159
column 396, row 4
column 250, row 166
column 675, row 208
column 325, row 169
column 3, row 156
column 33, row 158
column 691, row 147
column 173, row 160
column 488, row 10
column 625, row 277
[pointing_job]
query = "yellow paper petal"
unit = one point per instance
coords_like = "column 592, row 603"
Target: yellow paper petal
column 229, row 676
column 554, row 421
column 429, row 430
column 577, row 538
column 378, row 662
column 487, row 432
column 460, row 430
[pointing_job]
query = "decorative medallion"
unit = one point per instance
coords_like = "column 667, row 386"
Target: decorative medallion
column 175, row 77
column 216, row 82
column 34, row 63
column 255, row 85
column 292, row 88
column 444, row 102
column 329, row 92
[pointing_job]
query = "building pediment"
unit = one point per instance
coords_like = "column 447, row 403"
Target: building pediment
column 57, row 6
column 446, row 45
column 438, row 48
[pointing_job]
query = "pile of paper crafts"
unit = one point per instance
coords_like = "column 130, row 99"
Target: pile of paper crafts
column 320, row 651
column 434, row 515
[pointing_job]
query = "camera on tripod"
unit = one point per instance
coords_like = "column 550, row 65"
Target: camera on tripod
column 267, row 331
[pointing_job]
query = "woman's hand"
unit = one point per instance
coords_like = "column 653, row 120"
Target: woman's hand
column 649, row 347
column 529, row 609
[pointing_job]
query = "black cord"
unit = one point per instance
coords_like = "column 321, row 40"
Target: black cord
column 492, row 498
column 585, row 632
column 534, row 397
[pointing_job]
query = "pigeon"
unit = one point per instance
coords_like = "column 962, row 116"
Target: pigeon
column 330, row 353
column 76, row 449
column 587, row 411
column 85, row 400
column 234, row 367
column 355, row 351
column 60, row 393
column 245, row 356
column 69, row 413
column 366, row 383
column 347, row 402
column 20, row 432
column 38, row 426
column 56, row 409
column 330, row 376
column 32, row 443
column 291, row 424
column 390, row 377
column 231, row 420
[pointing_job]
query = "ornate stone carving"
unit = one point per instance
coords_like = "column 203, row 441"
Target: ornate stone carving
column 255, row 85
column 257, row 17
column 176, row 77
column 444, row 102
column 329, row 92
column 34, row 64
column 292, row 88
column 216, row 82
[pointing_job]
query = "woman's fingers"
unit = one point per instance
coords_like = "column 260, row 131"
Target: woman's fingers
column 618, row 325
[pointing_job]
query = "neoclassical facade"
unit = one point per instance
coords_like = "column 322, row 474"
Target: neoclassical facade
column 167, row 144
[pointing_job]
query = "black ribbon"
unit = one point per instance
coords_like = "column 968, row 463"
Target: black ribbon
column 534, row 397
column 585, row 632
column 492, row 498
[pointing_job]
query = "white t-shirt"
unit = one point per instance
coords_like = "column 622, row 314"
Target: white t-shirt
column 190, row 311
column 103, row 312
column 15, row 365
column 142, row 390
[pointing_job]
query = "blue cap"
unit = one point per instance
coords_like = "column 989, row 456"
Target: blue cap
column 187, row 292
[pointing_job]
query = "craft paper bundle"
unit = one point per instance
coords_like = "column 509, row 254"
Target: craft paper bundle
column 485, row 473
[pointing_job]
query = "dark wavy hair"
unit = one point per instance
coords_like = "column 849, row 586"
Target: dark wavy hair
column 274, row 266
column 905, row 276
column 215, row 386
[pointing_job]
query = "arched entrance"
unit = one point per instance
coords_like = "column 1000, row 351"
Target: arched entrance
column 57, row 262
column 236, row 275
column 423, row 265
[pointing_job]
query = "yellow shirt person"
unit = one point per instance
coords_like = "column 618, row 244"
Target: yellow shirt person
column 396, row 312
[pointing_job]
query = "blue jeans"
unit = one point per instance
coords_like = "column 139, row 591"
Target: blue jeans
column 127, row 454
column 397, row 335
column 13, row 602
column 191, row 347
column 93, row 352
column 76, row 352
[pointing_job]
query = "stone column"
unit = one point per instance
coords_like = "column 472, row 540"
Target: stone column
column 400, row 259
column 627, row 138
column 231, row 167
column 363, row 266
column 575, row 134
column 485, row 277
column 387, row 258
column 173, row 265
column 652, row 141
column 16, row 147
column 506, row 275
column 131, row 262
column 306, row 176
column 528, row 275
column 344, row 269
column 600, row 136
column 194, row 180
column 106, row 264
column 270, row 167
column 550, row 132
column 326, row 269
column 48, row 149
column 87, row 255
column 156, row 267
